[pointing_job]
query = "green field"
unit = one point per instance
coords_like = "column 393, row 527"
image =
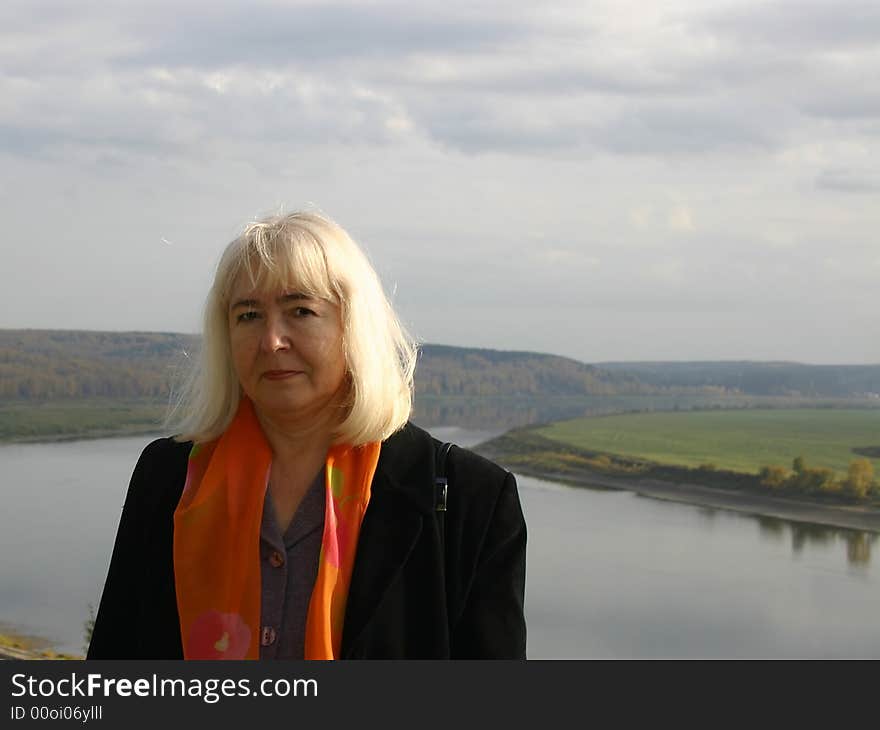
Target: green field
column 80, row 418
column 743, row 440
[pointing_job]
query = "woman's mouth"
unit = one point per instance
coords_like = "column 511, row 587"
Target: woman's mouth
column 281, row 374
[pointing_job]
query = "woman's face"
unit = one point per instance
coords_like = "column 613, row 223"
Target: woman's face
column 287, row 350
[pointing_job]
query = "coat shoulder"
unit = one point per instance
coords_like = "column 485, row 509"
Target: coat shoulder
column 160, row 472
column 463, row 457
column 166, row 450
column 460, row 457
column 473, row 479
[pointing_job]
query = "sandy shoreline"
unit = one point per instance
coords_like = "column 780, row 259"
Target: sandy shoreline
column 851, row 517
column 15, row 644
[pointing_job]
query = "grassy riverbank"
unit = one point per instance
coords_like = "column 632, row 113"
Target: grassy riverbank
column 78, row 419
column 531, row 452
column 734, row 440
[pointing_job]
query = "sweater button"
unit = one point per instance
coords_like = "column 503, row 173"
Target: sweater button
column 268, row 636
column 276, row 559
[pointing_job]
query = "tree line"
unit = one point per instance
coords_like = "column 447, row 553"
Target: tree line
column 56, row 365
column 859, row 482
column 61, row 364
column 760, row 378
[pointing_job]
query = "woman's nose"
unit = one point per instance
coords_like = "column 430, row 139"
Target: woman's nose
column 275, row 336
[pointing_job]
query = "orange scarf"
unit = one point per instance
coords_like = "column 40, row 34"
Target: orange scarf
column 217, row 543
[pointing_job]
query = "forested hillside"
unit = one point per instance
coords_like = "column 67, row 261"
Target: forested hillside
column 759, row 378
column 58, row 364
column 445, row 370
column 49, row 365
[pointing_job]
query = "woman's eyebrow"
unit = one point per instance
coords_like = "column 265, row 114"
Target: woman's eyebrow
column 283, row 299
column 248, row 303
column 293, row 297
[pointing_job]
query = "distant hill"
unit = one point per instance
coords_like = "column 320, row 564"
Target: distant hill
column 59, row 364
column 759, row 378
column 446, row 370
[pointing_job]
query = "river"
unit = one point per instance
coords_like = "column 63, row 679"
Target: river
column 609, row 574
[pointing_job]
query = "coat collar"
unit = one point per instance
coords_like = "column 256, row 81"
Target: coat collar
column 406, row 467
column 402, row 497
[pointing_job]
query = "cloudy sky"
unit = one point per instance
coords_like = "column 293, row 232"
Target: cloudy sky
column 622, row 180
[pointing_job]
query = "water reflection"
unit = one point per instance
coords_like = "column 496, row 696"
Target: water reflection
column 858, row 543
column 707, row 513
column 858, row 548
column 615, row 575
column 772, row 527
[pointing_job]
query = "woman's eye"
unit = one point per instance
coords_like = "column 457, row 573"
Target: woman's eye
column 247, row 316
column 302, row 312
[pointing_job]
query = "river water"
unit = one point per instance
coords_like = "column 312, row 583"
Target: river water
column 609, row 574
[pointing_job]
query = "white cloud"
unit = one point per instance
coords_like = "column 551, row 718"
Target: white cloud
column 779, row 238
column 643, row 217
column 850, row 181
column 671, row 271
column 615, row 156
column 681, row 219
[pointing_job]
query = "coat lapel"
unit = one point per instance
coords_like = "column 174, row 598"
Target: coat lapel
column 401, row 501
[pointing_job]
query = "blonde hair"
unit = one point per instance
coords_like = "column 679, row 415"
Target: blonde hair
column 317, row 257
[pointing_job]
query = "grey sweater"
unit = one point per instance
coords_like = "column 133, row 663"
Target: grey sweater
column 288, row 567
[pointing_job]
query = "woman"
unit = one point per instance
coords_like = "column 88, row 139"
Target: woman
column 296, row 515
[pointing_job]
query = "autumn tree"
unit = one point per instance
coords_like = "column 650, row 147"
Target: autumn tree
column 815, row 479
column 859, row 478
column 773, row 476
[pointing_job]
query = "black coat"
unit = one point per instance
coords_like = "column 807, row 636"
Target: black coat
column 399, row 605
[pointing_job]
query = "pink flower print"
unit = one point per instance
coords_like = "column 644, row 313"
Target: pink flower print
column 215, row 635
